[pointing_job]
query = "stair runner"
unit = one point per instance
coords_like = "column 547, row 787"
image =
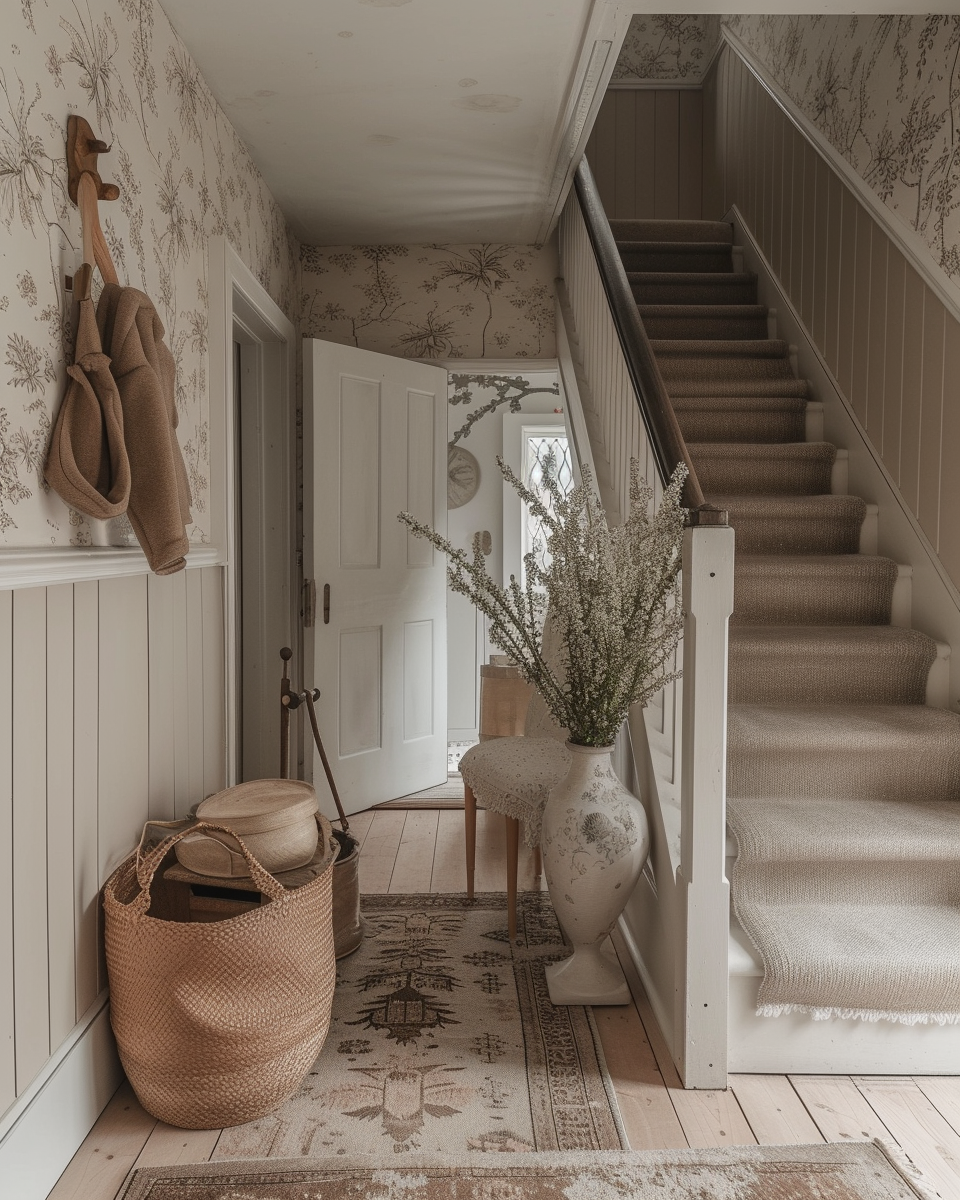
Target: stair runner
column 842, row 784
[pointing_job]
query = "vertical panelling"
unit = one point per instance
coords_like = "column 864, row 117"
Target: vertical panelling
column 711, row 187
column 86, row 786
column 912, row 383
column 831, row 288
column 775, row 232
column 948, row 545
column 603, row 155
column 8, row 1076
column 931, row 417
column 848, row 290
column 807, row 239
column 162, row 666
column 876, row 346
column 60, row 884
column 893, row 363
column 624, row 164
column 818, row 253
column 123, row 734
column 214, row 700
column 690, row 194
column 194, row 596
column 644, row 152
column 667, row 170
column 30, row 973
column 864, row 297
column 183, row 797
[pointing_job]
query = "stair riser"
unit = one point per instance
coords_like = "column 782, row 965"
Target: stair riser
column 789, row 678
column 627, row 230
column 670, row 260
column 763, row 476
column 760, row 535
column 742, row 427
column 787, row 387
column 892, row 772
column 695, row 328
column 710, row 370
column 805, row 601
column 720, row 292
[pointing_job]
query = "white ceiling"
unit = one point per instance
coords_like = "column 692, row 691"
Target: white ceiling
column 395, row 120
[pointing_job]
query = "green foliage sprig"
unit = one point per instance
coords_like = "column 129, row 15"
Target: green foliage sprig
column 611, row 595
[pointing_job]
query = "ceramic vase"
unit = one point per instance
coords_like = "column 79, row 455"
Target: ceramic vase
column 595, row 841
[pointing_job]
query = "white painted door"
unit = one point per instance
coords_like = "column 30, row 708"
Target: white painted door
column 375, row 442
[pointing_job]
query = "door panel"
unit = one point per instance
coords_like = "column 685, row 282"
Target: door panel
column 376, row 445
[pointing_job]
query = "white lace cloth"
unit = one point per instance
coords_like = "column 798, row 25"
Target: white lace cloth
column 514, row 776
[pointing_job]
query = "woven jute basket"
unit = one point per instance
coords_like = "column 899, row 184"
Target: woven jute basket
column 218, row 1023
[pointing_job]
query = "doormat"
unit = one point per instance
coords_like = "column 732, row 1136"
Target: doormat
column 845, row 1171
column 443, row 1039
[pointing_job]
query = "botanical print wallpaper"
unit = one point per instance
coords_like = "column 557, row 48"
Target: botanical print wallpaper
column 669, row 47
column 183, row 175
column 885, row 92
column 466, row 301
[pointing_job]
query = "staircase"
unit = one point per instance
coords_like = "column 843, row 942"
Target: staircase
column 842, row 781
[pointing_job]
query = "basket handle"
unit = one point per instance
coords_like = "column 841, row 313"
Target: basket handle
column 147, row 866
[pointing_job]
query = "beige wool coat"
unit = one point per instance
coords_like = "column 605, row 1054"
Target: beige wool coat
column 144, row 371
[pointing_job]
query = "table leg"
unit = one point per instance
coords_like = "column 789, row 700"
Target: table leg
column 470, row 834
column 513, row 855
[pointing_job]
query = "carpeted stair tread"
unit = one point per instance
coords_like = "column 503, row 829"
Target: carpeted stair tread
column 852, row 905
column 695, row 287
column 882, row 752
column 676, row 256
column 628, row 230
column 813, row 589
column 741, row 419
column 710, row 348
column 794, row 524
column 778, row 468
column 698, row 321
column 710, row 373
column 746, row 404
column 858, row 829
column 829, row 664
column 784, row 386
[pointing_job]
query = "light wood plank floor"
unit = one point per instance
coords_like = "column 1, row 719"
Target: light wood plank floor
column 422, row 851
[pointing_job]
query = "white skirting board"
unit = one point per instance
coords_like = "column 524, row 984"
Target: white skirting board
column 59, row 1110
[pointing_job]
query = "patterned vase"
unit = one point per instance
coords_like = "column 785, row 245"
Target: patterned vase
column 595, row 842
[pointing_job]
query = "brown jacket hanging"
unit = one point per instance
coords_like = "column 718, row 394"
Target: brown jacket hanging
column 144, row 370
column 87, row 464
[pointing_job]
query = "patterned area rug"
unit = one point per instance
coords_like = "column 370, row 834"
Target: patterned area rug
column 443, row 1038
column 851, row 1171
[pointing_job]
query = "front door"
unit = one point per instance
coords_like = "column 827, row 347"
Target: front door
column 375, row 444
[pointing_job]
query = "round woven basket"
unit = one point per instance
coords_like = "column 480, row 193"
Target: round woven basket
column 275, row 817
column 218, row 1023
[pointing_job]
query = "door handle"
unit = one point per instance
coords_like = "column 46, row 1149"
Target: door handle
column 326, row 604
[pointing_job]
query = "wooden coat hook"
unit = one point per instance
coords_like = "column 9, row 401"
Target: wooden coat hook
column 86, row 190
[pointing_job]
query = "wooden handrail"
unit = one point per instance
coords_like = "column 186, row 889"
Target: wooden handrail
column 666, row 440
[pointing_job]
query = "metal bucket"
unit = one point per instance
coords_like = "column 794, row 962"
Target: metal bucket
column 348, row 927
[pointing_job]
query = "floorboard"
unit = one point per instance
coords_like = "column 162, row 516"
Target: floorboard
column 419, row 850
column 108, row 1152
column 930, row 1141
column 777, row 1115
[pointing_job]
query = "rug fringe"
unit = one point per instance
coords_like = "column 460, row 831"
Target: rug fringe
column 860, row 1014
column 912, row 1174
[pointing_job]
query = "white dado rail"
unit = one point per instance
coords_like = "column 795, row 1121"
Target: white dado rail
column 672, row 754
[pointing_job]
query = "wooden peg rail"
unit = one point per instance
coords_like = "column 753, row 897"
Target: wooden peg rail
column 86, row 190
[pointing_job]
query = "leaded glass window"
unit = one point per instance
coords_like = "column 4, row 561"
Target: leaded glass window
column 544, row 453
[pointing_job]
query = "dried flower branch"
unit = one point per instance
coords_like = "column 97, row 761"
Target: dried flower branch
column 611, row 596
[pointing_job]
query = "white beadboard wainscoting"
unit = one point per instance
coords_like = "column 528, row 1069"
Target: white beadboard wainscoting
column 112, row 712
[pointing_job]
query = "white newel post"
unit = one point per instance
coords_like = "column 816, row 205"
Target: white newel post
column 705, row 892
